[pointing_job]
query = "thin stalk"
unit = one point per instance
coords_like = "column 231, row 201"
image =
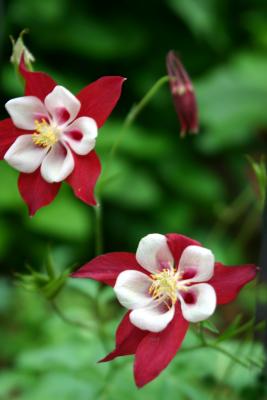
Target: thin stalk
column 129, row 120
column 215, row 347
column 67, row 319
column 98, row 229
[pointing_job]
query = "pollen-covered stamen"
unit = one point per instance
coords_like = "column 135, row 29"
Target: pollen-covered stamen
column 164, row 285
column 45, row 135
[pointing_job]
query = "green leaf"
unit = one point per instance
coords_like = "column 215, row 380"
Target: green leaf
column 230, row 330
column 210, row 326
column 232, row 102
column 202, row 17
column 132, row 188
column 260, row 172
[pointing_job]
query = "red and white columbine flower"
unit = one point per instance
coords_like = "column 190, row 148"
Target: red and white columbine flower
column 171, row 281
column 51, row 134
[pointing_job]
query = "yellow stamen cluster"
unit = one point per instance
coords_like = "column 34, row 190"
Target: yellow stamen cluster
column 164, row 286
column 44, row 135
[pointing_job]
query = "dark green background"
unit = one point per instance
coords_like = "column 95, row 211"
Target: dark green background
column 201, row 186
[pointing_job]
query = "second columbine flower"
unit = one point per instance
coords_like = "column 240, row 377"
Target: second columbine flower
column 170, row 282
column 152, row 294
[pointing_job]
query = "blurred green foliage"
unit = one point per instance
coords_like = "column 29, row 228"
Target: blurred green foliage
column 201, row 186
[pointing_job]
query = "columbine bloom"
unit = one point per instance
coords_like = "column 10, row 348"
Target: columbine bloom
column 51, row 136
column 183, row 94
column 170, row 281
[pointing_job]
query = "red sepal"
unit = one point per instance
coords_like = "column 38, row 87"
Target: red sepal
column 35, row 191
column 100, row 97
column 84, row 176
column 128, row 338
column 37, row 84
column 107, row 267
column 228, row 281
column 157, row 350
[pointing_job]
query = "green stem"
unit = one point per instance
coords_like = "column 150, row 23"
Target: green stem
column 49, row 264
column 201, row 333
column 130, row 118
column 218, row 348
column 136, row 109
column 98, row 229
column 67, row 319
column 232, row 212
column 228, row 354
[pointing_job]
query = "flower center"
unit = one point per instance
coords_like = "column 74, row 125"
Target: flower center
column 45, row 135
column 164, row 285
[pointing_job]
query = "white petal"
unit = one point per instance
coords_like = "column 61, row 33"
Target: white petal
column 58, row 164
column 153, row 253
column 198, row 303
column 132, row 289
column 25, row 110
column 197, row 261
column 62, row 105
column 24, row 155
column 81, row 135
column 153, row 319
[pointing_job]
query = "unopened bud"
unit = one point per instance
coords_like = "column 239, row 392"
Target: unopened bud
column 19, row 48
column 183, row 94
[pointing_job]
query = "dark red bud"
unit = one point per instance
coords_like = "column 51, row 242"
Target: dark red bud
column 183, row 94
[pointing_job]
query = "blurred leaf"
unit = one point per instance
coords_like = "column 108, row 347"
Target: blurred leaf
column 260, row 172
column 202, row 17
column 229, row 116
column 66, row 218
column 14, row 383
column 63, row 386
column 174, row 174
column 9, row 194
column 210, row 326
column 131, row 188
column 136, row 142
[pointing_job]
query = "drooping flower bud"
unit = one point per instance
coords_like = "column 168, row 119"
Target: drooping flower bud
column 19, row 48
column 183, row 94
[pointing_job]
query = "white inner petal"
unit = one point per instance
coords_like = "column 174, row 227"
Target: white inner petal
column 81, row 135
column 25, row 110
column 153, row 319
column 58, row 164
column 62, row 105
column 200, row 261
column 153, row 253
column 132, row 289
column 203, row 304
column 24, row 155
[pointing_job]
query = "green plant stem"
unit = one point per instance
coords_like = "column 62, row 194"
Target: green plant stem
column 228, row 354
column 67, row 319
column 136, row 110
column 201, row 333
column 49, row 264
column 233, row 211
column 129, row 120
column 218, row 348
column 98, row 229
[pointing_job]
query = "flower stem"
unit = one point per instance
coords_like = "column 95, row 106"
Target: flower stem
column 130, row 118
column 67, row 319
column 218, row 348
column 228, row 354
column 137, row 108
column 98, row 229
